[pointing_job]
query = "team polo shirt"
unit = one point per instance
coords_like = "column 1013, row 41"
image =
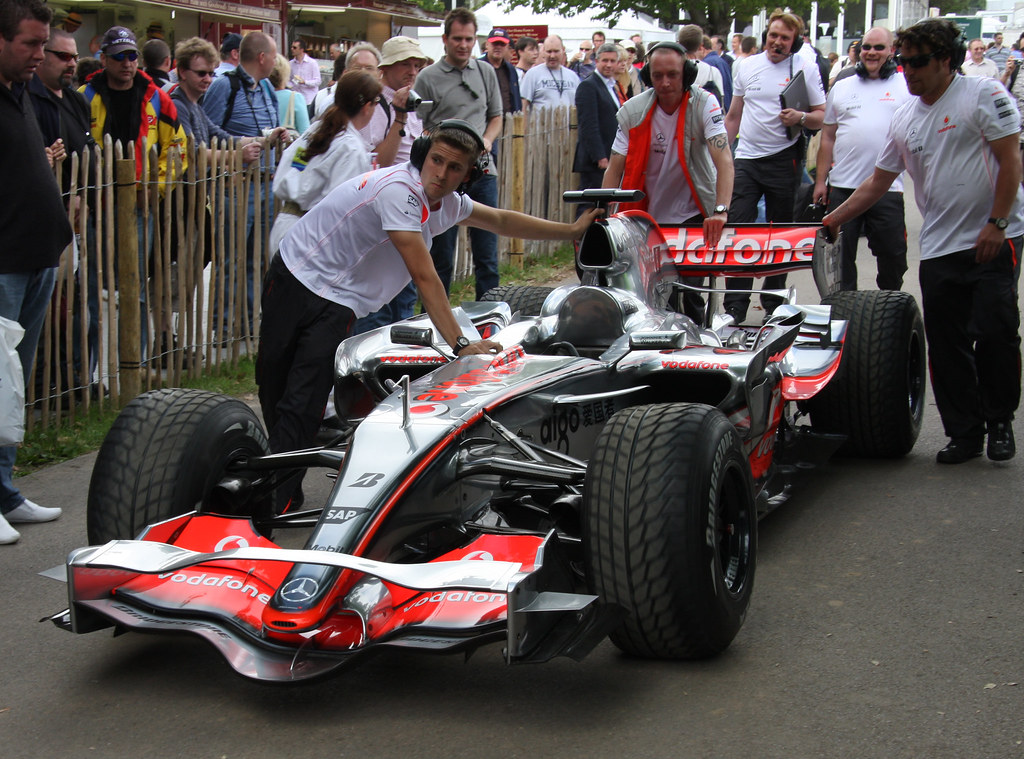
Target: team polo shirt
column 341, row 250
column 668, row 192
column 862, row 110
column 944, row 147
column 760, row 82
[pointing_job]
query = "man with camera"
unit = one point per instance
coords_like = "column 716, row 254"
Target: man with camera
column 391, row 132
column 958, row 141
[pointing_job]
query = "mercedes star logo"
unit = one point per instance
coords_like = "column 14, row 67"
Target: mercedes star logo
column 299, row 590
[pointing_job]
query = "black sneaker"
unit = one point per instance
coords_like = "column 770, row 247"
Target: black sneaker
column 1000, row 441
column 959, row 450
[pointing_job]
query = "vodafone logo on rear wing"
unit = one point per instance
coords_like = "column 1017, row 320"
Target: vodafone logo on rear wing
column 764, row 249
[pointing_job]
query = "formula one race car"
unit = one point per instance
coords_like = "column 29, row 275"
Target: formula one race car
column 602, row 476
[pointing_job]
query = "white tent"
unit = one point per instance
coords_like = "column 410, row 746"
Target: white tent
column 572, row 29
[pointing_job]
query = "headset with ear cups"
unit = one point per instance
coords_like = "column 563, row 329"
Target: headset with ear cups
column 886, row 70
column 421, row 146
column 689, row 67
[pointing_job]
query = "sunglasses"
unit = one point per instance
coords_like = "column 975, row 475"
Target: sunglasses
column 879, row 48
column 472, row 92
column 202, row 73
column 66, row 57
column 131, row 55
column 914, row 61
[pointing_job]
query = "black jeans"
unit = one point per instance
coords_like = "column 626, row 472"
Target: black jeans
column 972, row 320
column 775, row 177
column 886, row 231
column 299, row 335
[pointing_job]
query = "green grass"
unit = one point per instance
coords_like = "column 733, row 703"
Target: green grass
column 44, row 447
column 536, row 271
column 51, row 445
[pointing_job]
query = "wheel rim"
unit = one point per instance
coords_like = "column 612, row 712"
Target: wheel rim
column 915, row 377
column 733, row 532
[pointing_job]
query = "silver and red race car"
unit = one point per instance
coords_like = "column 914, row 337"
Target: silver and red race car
column 602, row 476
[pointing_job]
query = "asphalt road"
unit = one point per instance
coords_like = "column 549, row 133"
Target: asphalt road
column 887, row 621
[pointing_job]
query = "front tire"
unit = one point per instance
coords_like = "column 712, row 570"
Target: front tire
column 163, row 456
column 876, row 397
column 670, row 529
column 524, row 299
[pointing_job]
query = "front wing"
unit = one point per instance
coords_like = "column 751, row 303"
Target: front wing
column 515, row 588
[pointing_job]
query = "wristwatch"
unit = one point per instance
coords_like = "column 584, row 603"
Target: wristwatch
column 461, row 342
column 721, row 209
column 1001, row 223
column 803, row 119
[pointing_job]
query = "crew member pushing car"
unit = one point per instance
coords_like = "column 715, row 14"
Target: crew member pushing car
column 352, row 253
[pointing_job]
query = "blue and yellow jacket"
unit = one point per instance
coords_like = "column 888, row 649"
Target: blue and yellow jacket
column 153, row 117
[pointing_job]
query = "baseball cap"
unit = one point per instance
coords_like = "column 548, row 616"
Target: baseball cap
column 399, row 49
column 498, row 34
column 118, row 39
column 231, row 42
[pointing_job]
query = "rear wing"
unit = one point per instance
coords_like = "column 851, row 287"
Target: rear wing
column 757, row 250
column 631, row 245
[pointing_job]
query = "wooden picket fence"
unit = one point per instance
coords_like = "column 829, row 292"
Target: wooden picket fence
column 188, row 291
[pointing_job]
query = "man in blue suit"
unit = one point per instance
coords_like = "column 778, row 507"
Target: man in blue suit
column 597, row 101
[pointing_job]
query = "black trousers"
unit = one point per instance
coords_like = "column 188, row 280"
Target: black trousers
column 886, row 231
column 299, row 335
column 776, row 178
column 971, row 319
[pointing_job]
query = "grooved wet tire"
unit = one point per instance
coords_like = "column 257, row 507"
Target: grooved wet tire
column 877, row 395
column 526, row 299
column 163, row 455
column 670, row 529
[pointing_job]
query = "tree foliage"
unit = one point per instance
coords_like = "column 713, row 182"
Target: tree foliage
column 715, row 16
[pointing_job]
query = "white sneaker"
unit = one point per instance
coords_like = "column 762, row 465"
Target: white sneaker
column 31, row 512
column 7, row 533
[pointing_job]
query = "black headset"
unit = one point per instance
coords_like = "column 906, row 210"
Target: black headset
column 886, row 70
column 689, row 67
column 421, row 146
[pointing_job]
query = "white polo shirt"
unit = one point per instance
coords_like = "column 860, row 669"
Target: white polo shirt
column 341, row 250
column 944, row 147
column 760, row 82
column 862, row 110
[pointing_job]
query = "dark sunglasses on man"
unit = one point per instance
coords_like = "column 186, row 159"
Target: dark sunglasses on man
column 914, row 61
column 131, row 55
column 66, row 57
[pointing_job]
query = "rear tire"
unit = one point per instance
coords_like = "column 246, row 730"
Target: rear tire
column 877, row 396
column 526, row 299
column 670, row 529
column 162, row 457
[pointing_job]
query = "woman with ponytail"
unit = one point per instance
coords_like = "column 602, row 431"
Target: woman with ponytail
column 330, row 152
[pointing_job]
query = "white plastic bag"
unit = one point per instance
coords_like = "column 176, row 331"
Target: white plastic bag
column 12, row 384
